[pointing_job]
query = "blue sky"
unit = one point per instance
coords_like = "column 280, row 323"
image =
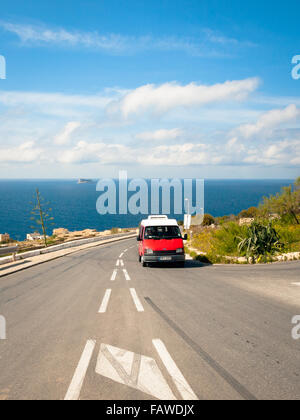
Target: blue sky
column 160, row 88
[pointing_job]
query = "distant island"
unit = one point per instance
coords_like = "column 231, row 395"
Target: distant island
column 84, row 181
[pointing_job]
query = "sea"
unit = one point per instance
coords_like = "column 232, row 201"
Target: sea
column 74, row 205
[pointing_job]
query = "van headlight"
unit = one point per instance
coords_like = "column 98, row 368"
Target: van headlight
column 148, row 251
column 179, row 251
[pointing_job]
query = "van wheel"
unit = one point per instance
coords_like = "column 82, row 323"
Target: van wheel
column 140, row 258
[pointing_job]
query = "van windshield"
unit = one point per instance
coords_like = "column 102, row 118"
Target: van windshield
column 162, row 232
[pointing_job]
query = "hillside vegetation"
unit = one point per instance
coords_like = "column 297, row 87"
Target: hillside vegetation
column 258, row 234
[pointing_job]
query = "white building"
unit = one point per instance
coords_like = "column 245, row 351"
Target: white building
column 36, row 236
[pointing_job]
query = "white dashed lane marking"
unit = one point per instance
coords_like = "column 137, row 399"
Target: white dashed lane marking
column 136, row 301
column 114, row 275
column 181, row 384
column 127, row 277
column 105, row 301
column 296, row 284
column 79, row 375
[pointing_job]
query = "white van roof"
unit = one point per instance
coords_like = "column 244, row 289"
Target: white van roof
column 157, row 216
column 159, row 220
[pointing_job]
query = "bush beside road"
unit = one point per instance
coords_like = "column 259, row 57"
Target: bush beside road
column 268, row 233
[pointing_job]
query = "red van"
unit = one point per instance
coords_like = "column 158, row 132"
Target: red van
column 160, row 241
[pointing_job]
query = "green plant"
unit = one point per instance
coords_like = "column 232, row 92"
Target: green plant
column 208, row 220
column 225, row 240
column 41, row 215
column 287, row 202
column 260, row 240
column 289, row 236
column 251, row 212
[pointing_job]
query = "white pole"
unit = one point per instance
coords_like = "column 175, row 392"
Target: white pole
column 188, row 212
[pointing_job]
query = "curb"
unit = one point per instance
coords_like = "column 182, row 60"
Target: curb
column 71, row 251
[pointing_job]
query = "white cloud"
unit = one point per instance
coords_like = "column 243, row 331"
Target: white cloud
column 218, row 38
column 198, row 143
column 41, row 34
column 13, row 98
column 64, row 136
column 24, row 153
column 111, row 102
column 160, row 135
column 285, row 152
column 100, row 152
column 57, row 104
column 185, row 154
column 174, row 155
column 268, row 121
column 168, row 96
column 234, row 146
column 120, row 44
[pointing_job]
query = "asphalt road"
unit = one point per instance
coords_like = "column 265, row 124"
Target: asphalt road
column 83, row 327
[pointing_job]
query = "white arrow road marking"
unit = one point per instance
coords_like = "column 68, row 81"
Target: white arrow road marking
column 73, row 392
column 134, row 370
column 105, row 301
column 121, row 255
column 136, row 300
column 127, row 277
column 118, row 263
column 114, row 275
column 296, row 284
column 122, row 263
column 178, row 378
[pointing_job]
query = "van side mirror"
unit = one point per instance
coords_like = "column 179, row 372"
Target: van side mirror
column 185, row 237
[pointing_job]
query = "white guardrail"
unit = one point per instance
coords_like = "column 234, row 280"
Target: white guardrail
column 65, row 245
column 5, row 250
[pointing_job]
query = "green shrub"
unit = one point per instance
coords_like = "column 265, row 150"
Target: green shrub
column 203, row 241
column 225, row 240
column 226, row 219
column 260, row 240
column 208, row 220
column 290, row 237
column 251, row 212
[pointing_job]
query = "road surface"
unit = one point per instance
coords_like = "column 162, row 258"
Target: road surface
column 97, row 325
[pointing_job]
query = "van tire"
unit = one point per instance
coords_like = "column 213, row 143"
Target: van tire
column 140, row 258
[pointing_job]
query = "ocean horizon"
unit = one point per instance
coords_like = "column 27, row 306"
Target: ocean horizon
column 74, row 205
